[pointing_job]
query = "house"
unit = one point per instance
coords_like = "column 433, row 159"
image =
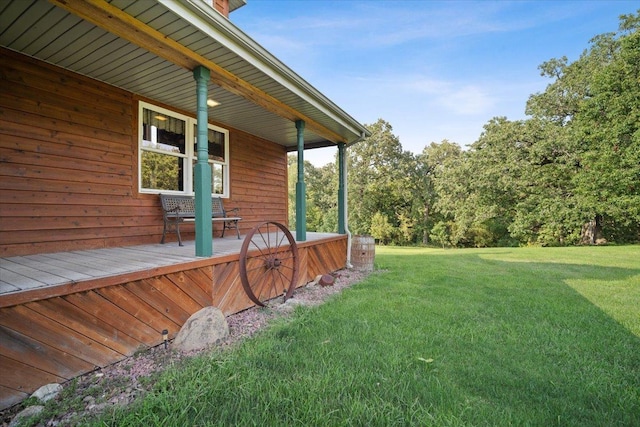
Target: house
column 104, row 105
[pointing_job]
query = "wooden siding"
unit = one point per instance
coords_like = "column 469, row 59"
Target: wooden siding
column 68, row 165
column 74, row 329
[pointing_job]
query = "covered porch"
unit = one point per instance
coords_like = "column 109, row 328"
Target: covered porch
column 86, row 86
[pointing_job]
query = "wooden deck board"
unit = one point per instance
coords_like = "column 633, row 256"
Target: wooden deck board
column 7, row 287
column 76, row 264
column 59, row 268
column 28, row 276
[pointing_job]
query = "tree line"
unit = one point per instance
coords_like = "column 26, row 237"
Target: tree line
column 568, row 174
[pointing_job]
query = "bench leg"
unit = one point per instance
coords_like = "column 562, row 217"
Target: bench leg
column 164, row 232
column 167, row 228
column 230, row 224
column 178, row 233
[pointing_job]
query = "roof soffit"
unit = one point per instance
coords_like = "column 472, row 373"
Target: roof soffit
column 134, row 29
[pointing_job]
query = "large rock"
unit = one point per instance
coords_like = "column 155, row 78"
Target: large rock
column 47, row 392
column 203, row 329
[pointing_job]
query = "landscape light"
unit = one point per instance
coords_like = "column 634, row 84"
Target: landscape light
column 165, row 338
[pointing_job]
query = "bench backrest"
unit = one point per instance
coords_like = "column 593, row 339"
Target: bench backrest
column 174, row 205
column 217, row 209
column 185, row 206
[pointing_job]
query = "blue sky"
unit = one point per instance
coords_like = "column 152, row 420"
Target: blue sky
column 433, row 69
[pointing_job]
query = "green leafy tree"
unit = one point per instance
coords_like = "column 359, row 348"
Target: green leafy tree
column 381, row 179
column 608, row 125
column 595, row 104
column 571, row 172
column 321, row 195
column 440, row 234
column 381, row 229
column 431, row 163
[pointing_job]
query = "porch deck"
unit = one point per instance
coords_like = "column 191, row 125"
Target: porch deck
column 68, row 313
column 31, row 275
column 23, row 273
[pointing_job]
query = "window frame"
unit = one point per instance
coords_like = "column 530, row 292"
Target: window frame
column 190, row 155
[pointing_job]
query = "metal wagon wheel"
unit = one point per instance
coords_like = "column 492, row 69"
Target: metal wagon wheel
column 269, row 262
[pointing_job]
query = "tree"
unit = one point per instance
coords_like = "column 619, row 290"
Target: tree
column 160, row 171
column 380, row 228
column 431, row 163
column 440, row 233
column 595, row 104
column 478, row 189
column 608, row 125
column 381, row 179
column 568, row 173
column 321, row 195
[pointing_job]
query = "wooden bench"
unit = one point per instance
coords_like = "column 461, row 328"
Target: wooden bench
column 177, row 209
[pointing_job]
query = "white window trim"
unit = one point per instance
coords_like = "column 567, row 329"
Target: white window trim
column 190, row 152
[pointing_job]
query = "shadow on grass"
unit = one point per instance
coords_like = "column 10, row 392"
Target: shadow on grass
column 551, row 343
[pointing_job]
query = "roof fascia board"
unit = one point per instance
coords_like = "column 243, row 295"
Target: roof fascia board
column 200, row 15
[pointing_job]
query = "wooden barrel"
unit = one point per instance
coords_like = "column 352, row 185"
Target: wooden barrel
column 363, row 252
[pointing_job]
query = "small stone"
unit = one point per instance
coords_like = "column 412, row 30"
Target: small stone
column 47, row 392
column 97, row 408
column 29, row 412
column 326, row 280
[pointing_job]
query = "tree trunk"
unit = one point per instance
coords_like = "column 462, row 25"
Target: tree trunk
column 425, row 233
column 591, row 233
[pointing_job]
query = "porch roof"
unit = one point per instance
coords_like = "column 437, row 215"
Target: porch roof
column 151, row 47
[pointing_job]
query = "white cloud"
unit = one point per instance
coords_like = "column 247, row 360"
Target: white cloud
column 458, row 98
column 467, row 100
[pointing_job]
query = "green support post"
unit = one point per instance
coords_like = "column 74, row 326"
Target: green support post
column 341, row 186
column 301, row 190
column 202, row 184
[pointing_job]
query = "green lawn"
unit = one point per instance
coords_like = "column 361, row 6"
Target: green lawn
column 487, row 337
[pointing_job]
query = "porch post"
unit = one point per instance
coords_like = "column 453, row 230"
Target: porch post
column 341, row 186
column 301, row 190
column 202, row 184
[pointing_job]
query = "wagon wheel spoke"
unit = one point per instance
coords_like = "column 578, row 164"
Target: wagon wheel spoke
column 268, row 262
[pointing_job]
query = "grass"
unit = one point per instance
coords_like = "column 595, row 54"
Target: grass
column 495, row 337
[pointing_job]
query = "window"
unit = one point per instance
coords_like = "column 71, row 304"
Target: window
column 167, row 162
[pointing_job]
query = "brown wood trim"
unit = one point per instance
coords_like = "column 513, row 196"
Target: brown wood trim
column 323, row 240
